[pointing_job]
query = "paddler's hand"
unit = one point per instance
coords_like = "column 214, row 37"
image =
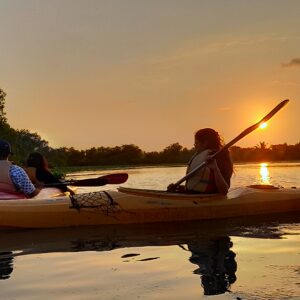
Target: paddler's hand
column 171, row 187
column 176, row 188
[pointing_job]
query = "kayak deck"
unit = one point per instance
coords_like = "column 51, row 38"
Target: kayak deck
column 169, row 195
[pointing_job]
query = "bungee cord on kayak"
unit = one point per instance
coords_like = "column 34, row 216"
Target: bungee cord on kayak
column 99, row 200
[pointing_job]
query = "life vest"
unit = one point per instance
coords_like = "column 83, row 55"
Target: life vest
column 203, row 181
column 6, row 183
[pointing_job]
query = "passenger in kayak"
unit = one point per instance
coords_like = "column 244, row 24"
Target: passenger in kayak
column 13, row 179
column 213, row 178
column 39, row 172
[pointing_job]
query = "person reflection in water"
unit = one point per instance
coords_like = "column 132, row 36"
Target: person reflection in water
column 6, row 264
column 217, row 265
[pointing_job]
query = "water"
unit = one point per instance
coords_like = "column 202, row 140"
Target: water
column 253, row 258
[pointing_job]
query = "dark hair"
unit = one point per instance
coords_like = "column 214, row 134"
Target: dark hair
column 211, row 137
column 5, row 149
column 37, row 160
column 215, row 142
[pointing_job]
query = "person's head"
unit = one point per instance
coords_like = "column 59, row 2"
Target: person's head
column 5, row 149
column 37, row 160
column 207, row 138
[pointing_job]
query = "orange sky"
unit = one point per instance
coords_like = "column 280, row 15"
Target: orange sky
column 107, row 73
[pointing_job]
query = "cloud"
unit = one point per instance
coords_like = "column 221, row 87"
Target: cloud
column 295, row 62
column 199, row 48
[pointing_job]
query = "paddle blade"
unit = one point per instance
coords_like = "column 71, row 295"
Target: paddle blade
column 273, row 112
column 88, row 182
column 117, row 178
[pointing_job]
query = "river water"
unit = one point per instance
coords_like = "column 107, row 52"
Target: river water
column 247, row 258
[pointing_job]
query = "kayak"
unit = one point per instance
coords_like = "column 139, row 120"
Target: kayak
column 131, row 206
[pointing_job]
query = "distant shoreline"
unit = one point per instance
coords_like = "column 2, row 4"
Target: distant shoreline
column 74, row 169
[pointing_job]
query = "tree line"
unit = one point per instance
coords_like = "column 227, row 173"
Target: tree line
column 24, row 142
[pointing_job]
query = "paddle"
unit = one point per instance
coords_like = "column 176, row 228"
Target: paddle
column 231, row 143
column 117, row 178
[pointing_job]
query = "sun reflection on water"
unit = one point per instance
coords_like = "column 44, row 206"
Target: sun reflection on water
column 264, row 173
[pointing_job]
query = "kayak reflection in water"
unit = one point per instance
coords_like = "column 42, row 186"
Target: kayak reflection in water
column 217, row 265
column 6, row 264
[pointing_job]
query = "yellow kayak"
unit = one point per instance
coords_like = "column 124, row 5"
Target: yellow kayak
column 129, row 206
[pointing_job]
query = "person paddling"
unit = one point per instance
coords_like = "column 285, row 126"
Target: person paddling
column 13, row 179
column 214, row 177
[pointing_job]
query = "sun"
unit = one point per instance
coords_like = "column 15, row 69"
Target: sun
column 263, row 125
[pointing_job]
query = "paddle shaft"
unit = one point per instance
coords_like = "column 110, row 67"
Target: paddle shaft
column 236, row 139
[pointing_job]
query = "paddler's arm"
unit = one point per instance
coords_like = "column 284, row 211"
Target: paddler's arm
column 28, row 188
column 22, row 182
column 220, row 182
column 34, row 193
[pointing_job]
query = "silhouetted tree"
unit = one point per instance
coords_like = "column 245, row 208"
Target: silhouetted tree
column 3, row 119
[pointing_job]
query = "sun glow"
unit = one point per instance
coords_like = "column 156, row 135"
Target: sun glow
column 263, row 125
column 264, row 174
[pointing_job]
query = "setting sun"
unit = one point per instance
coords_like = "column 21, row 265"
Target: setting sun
column 263, row 125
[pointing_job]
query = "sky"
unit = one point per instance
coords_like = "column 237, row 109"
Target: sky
column 93, row 73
